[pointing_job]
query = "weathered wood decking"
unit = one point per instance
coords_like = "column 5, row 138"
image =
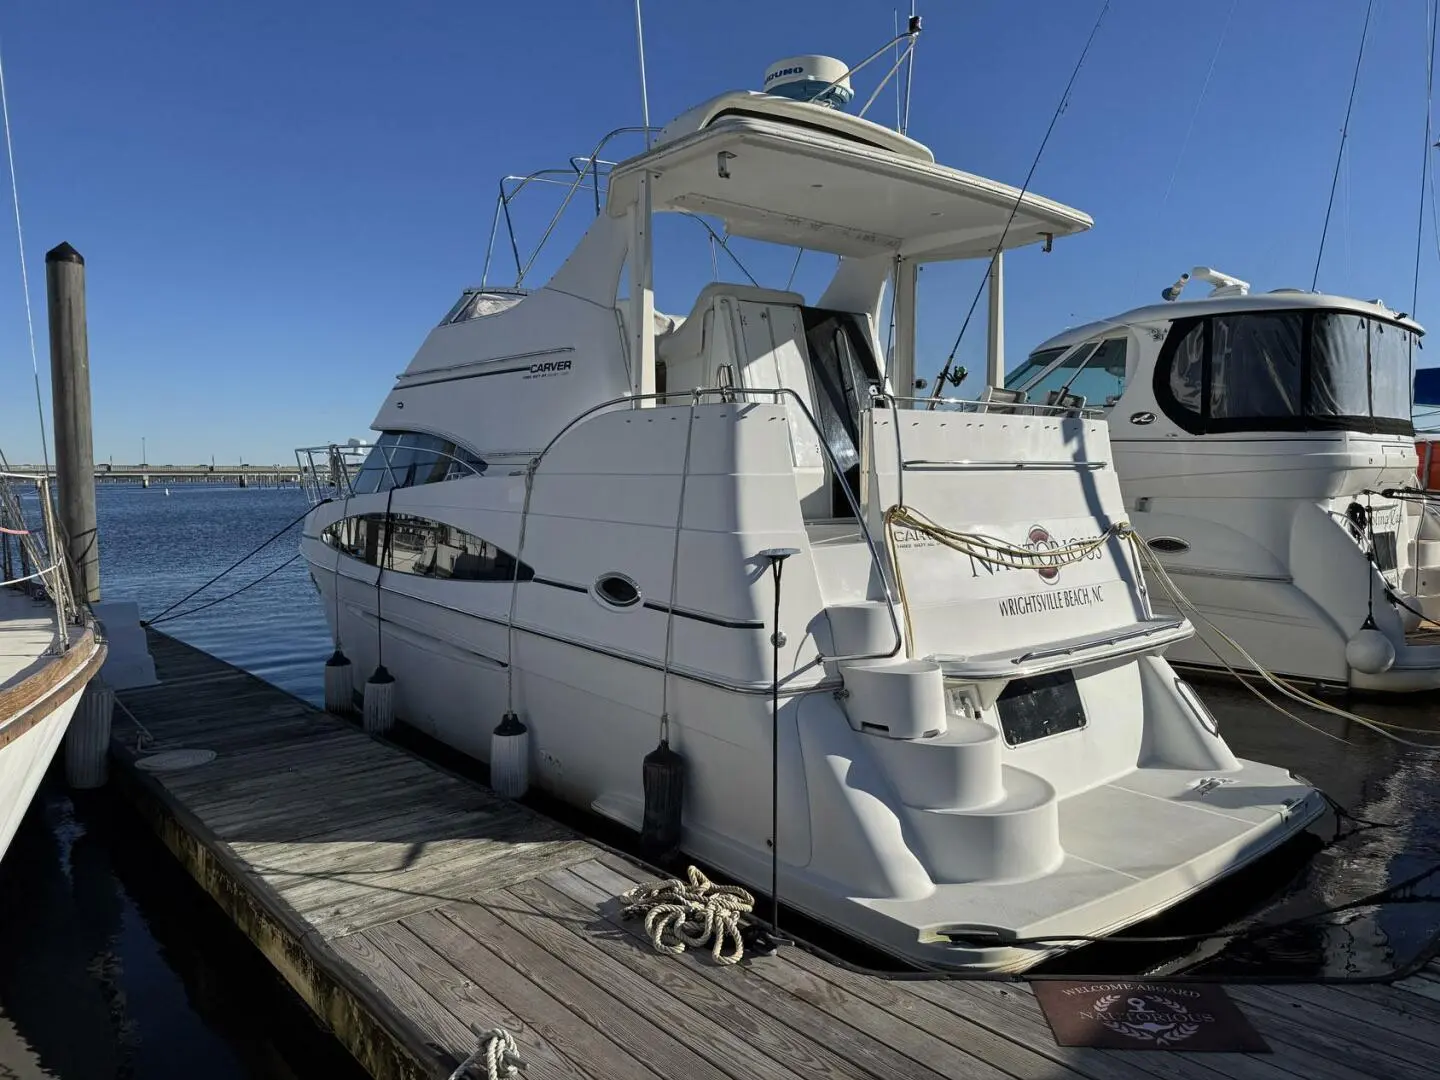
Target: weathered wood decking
column 405, row 904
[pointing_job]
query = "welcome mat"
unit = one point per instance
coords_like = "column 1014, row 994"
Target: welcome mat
column 1146, row 1016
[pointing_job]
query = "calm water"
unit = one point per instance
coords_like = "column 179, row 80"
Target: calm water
column 114, row 964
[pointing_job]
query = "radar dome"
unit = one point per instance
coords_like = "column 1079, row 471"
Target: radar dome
column 820, row 80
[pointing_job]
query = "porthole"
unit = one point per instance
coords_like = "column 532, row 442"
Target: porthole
column 1168, row 545
column 617, row 590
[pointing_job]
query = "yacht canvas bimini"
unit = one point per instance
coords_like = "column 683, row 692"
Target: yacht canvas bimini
column 576, row 506
column 1266, row 451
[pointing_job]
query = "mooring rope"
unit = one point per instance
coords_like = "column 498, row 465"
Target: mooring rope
column 498, row 1050
column 1187, row 608
column 995, row 552
column 986, row 549
column 679, row 915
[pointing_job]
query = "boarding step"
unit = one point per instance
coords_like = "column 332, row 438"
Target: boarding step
column 956, row 770
column 1015, row 837
column 899, row 699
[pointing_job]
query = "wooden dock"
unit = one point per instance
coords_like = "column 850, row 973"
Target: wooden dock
column 406, row 904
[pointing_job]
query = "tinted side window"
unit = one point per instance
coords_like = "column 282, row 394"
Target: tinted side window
column 1187, row 370
column 1255, row 366
column 1390, row 370
column 1339, row 380
column 415, row 545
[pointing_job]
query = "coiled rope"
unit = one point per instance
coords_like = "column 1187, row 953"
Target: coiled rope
column 498, row 1050
column 680, row 915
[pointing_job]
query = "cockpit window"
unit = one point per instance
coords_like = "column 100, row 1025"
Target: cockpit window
column 1095, row 371
column 475, row 303
column 1286, row 371
column 402, row 459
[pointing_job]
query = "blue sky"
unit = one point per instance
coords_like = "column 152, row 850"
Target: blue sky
column 277, row 201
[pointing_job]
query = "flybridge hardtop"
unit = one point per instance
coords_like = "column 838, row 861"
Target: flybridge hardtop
column 1265, row 444
column 903, row 653
column 770, row 169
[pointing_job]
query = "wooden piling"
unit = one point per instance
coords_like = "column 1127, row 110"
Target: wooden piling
column 70, row 387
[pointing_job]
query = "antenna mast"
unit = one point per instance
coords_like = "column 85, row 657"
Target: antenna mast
column 644, row 89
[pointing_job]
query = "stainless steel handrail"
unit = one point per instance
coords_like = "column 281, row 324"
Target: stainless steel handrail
column 1022, row 408
column 922, row 463
column 340, row 458
column 1100, row 642
column 727, row 394
column 579, row 171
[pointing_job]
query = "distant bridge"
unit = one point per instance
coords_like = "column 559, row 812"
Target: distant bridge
column 225, row 475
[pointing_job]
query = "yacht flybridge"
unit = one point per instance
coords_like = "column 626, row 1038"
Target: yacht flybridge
column 612, row 521
column 1265, row 447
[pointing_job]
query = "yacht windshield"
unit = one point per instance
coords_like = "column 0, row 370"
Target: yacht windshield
column 1094, row 371
column 1287, row 371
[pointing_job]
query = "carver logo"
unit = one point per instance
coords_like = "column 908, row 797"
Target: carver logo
column 547, row 368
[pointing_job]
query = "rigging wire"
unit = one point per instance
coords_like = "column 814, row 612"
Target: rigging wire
column 24, row 274
column 941, row 379
column 1431, row 18
column 221, row 599
column 243, row 559
column 1344, row 133
column 1199, row 101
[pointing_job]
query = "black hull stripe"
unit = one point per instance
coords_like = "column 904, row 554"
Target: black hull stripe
column 655, row 605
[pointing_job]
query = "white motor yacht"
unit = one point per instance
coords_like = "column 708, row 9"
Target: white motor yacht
column 1266, row 452
column 614, row 522
column 49, row 652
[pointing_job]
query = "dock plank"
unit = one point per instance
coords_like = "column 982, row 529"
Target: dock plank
column 1355, row 1046
column 1421, row 985
column 406, row 904
column 647, row 1040
column 864, row 1056
column 467, row 1002
column 908, row 1035
column 735, row 1026
column 536, row 1006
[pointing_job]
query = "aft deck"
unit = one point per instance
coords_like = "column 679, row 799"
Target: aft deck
column 409, row 907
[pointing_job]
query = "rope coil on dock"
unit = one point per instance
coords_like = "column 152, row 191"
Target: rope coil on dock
column 679, row 915
column 498, row 1050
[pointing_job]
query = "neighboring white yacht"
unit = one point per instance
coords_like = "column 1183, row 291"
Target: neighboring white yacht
column 576, row 506
column 1267, row 455
column 48, row 656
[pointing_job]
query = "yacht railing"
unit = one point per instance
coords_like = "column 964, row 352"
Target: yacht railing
column 1000, row 406
column 581, row 167
column 342, row 463
column 35, row 558
column 325, row 471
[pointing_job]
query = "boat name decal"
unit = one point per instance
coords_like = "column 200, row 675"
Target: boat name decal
column 546, row 368
column 1038, row 542
column 1060, row 600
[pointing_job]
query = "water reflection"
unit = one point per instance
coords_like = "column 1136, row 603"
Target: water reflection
column 116, row 965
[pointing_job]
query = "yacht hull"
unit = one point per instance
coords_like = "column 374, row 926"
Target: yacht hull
column 23, row 763
column 940, row 802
